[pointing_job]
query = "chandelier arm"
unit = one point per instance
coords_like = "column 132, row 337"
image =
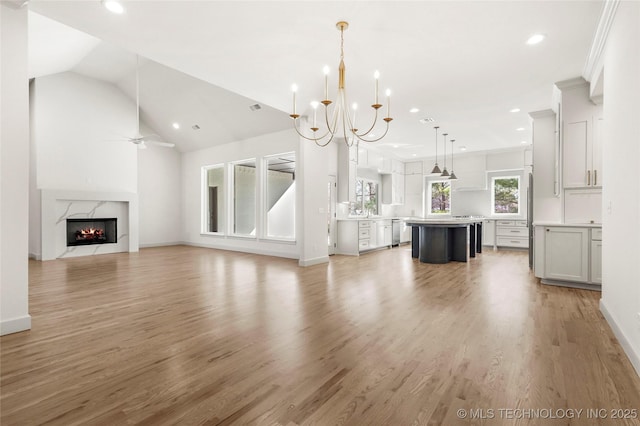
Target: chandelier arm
column 377, row 139
column 375, row 121
column 295, row 126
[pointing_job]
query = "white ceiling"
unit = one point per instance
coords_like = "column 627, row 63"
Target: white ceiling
column 463, row 63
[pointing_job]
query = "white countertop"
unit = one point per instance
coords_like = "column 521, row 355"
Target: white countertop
column 569, row 225
column 376, row 218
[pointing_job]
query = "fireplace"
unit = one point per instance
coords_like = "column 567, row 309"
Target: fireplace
column 82, row 232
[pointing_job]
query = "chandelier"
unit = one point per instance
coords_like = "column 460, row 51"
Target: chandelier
column 341, row 120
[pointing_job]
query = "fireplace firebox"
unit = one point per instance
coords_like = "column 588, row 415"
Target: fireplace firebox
column 81, row 232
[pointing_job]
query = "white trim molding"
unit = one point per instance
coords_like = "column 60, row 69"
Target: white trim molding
column 15, row 325
column 314, row 261
column 622, row 338
column 594, row 63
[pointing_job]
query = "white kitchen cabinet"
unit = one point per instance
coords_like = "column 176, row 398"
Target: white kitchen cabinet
column 581, row 136
column 393, row 189
column 512, row 233
column 347, row 172
column 489, row 233
column 384, row 233
column 596, row 256
column 566, row 253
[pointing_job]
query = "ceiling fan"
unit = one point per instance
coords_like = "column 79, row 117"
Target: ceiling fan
column 140, row 140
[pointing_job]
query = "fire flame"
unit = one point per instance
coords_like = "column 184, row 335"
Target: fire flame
column 89, row 234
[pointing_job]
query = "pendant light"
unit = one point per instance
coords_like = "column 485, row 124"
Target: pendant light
column 436, row 170
column 453, row 174
column 445, row 173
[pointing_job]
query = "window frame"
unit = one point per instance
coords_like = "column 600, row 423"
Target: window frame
column 493, row 195
column 265, row 194
column 231, row 223
column 204, row 218
column 430, row 194
column 361, row 203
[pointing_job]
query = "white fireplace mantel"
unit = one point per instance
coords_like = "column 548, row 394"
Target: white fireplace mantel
column 50, row 217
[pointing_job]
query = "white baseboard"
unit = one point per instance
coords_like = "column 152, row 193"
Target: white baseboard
column 35, row 256
column 15, row 325
column 242, row 250
column 622, row 338
column 151, row 245
column 314, row 261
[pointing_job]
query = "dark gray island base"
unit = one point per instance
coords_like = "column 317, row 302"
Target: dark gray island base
column 440, row 241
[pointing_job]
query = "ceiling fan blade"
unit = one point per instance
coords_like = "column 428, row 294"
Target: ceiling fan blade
column 158, row 143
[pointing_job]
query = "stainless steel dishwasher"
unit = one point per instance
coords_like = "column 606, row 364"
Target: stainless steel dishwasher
column 396, row 227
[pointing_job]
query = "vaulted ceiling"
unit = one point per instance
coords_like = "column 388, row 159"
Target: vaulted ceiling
column 463, row 63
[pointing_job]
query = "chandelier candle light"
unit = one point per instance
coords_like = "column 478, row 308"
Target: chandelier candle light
column 341, row 112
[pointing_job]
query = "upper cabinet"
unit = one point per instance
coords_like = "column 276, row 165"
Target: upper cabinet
column 581, row 140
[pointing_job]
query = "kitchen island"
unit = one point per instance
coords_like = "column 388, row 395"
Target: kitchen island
column 443, row 240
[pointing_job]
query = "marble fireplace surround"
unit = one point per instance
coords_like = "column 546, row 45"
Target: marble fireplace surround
column 58, row 205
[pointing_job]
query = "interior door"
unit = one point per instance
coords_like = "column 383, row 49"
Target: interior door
column 331, row 214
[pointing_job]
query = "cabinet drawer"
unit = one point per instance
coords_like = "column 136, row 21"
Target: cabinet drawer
column 364, row 224
column 512, row 242
column 520, row 223
column 363, row 244
column 505, row 223
column 596, row 234
column 512, row 232
column 363, row 233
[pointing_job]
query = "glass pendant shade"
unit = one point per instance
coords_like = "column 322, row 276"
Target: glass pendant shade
column 445, row 173
column 436, row 170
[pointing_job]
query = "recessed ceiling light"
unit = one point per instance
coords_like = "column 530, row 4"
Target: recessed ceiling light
column 535, row 39
column 176, row 125
column 414, row 155
column 395, row 146
column 523, row 142
column 520, row 129
column 414, row 110
column 113, row 6
column 463, row 148
column 515, row 110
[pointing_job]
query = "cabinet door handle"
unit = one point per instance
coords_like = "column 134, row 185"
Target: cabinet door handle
column 595, row 177
column 588, row 177
column 516, row 232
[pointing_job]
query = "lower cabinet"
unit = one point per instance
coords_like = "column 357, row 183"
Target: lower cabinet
column 569, row 254
column 512, row 233
column 489, row 233
column 357, row 236
column 566, row 254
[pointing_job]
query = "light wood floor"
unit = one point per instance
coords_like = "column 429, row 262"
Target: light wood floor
column 184, row 335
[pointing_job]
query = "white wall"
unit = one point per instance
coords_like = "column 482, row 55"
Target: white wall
column 14, row 171
column 621, row 193
column 159, row 185
column 192, row 163
column 75, row 118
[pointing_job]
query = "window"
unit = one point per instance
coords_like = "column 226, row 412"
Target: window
column 505, row 195
column 213, row 196
column 280, row 197
column 244, row 197
column 366, row 198
column 439, row 197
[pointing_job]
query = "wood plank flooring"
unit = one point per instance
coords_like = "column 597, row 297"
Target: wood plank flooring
column 185, row 335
